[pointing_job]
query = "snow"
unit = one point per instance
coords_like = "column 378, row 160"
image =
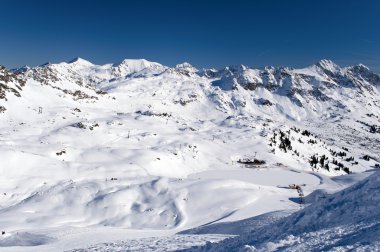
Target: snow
column 328, row 65
column 170, row 243
column 23, row 239
column 140, row 156
column 79, row 61
column 345, row 220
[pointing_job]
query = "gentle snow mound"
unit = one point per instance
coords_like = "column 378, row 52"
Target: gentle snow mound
column 23, row 239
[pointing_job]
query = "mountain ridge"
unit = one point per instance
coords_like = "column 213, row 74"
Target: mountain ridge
column 307, row 88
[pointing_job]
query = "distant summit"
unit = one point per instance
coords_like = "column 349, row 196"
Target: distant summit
column 80, row 61
column 328, row 65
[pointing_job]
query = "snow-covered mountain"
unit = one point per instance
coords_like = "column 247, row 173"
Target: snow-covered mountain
column 142, row 146
column 324, row 83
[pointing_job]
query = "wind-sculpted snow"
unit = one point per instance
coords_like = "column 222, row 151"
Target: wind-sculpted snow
column 90, row 152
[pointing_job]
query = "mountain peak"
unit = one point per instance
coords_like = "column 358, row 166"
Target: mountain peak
column 329, row 65
column 22, row 69
column 80, row 61
column 237, row 68
column 186, row 66
column 130, row 66
column 362, row 66
column 133, row 62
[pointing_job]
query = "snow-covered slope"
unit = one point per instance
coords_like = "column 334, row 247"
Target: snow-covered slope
column 139, row 145
column 347, row 220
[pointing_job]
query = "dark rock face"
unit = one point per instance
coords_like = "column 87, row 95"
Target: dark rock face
column 10, row 83
column 264, row 102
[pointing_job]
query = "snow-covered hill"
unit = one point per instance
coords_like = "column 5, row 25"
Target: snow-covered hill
column 345, row 221
column 142, row 146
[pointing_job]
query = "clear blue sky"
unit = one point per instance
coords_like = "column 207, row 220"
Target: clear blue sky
column 205, row 33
